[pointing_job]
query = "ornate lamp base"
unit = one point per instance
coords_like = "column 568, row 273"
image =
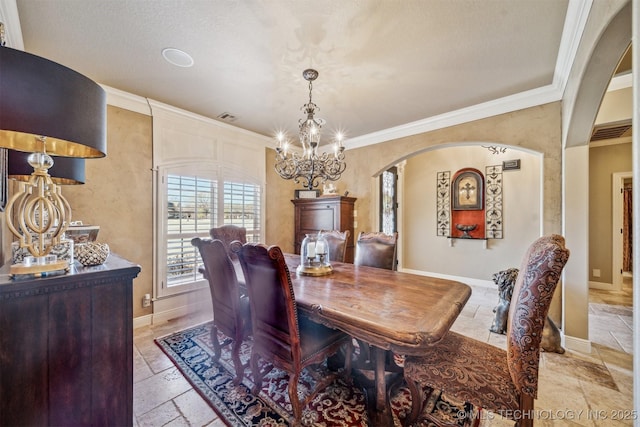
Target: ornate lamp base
column 314, row 269
column 39, row 268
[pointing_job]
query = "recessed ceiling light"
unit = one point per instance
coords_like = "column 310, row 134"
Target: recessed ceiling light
column 177, row 57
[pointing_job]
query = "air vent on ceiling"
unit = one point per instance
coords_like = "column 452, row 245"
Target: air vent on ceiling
column 227, row 117
column 609, row 131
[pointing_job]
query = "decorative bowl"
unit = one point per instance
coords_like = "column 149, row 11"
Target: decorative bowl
column 466, row 228
column 92, row 253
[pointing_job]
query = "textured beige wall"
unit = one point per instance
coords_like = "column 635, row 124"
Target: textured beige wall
column 424, row 250
column 279, row 209
column 603, row 163
column 536, row 128
column 117, row 196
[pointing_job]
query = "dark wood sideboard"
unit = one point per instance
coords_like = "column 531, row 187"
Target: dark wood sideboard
column 324, row 213
column 66, row 347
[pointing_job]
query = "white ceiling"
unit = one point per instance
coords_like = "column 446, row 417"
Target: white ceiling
column 383, row 64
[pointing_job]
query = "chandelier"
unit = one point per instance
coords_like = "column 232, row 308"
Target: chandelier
column 310, row 167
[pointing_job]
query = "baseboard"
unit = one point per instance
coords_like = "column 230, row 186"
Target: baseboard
column 577, row 344
column 467, row 280
column 174, row 313
column 603, row 286
column 141, row 321
column 169, row 308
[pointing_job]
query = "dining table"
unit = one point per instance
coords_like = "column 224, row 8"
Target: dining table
column 386, row 311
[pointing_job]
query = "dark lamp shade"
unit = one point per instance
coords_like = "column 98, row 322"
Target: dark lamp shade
column 39, row 97
column 65, row 170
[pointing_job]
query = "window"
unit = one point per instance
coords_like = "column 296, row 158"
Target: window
column 191, row 211
column 388, row 200
column 242, row 207
column 196, row 200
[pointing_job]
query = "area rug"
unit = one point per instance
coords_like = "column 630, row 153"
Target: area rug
column 337, row 405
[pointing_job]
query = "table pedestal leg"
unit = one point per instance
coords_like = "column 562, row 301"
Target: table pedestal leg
column 377, row 385
column 381, row 383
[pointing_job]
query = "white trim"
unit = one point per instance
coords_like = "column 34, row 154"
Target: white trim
column 610, row 142
column 128, row 101
column 576, row 344
column 572, row 30
column 139, row 322
column 188, row 303
column 575, row 22
column 603, row 286
column 623, row 81
column 635, row 32
column 11, row 19
column 268, row 142
column 467, row 280
column 617, row 221
column 531, row 98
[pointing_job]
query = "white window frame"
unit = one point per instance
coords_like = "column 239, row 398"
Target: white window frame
column 201, row 170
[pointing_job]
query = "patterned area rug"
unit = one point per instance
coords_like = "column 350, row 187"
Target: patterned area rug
column 337, row 405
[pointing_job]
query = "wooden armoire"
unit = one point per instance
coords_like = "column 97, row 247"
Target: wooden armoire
column 324, row 213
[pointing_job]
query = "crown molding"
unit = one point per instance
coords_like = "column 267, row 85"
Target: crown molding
column 128, row 101
column 575, row 21
column 574, row 24
column 531, row 98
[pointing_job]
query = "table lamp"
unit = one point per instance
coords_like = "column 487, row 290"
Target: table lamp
column 45, row 109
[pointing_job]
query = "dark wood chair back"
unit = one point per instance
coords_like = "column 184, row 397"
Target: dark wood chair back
column 275, row 314
column 231, row 311
column 228, row 233
column 337, row 241
column 377, row 249
column 281, row 335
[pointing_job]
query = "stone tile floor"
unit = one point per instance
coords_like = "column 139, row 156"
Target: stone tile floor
column 575, row 389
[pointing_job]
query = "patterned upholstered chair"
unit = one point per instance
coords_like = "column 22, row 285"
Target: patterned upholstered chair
column 337, row 241
column 231, row 311
column 228, row 233
column 377, row 249
column 281, row 336
column 505, row 382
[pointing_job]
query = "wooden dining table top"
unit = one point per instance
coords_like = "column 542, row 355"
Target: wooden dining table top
column 391, row 310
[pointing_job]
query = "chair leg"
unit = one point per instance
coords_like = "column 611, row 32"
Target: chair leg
column 293, row 397
column 417, row 400
column 217, row 349
column 237, row 363
column 526, row 409
column 257, row 374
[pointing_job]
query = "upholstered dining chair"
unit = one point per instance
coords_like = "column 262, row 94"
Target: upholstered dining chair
column 505, row 382
column 228, row 233
column 337, row 241
column 282, row 336
column 377, row 249
column 231, row 311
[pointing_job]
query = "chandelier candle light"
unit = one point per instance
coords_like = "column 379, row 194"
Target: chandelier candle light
column 310, row 167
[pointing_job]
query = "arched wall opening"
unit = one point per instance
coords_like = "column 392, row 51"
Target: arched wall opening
column 424, row 251
column 585, row 90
